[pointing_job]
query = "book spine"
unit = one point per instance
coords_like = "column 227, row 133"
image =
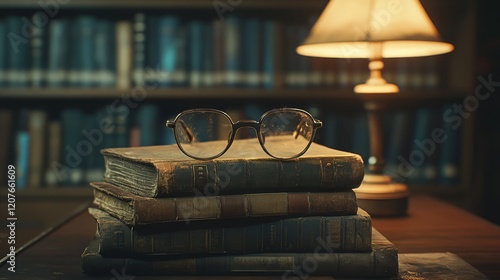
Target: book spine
column 37, row 121
column 147, row 211
column 139, row 49
column 83, row 66
column 105, row 48
column 170, row 57
column 267, row 235
column 123, row 54
column 4, row 50
column 233, row 51
column 6, row 139
column 382, row 263
column 18, row 54
column 239, row 176
column 72, row 120
column 196, row 49
column 251, row 59
column 54, row 147
column 38, row 64
column 22, row 149
column 58, row 61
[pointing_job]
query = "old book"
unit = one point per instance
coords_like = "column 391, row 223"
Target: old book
column 156, row 171
column 137, row 210
column 351, row 233
column 382, row 261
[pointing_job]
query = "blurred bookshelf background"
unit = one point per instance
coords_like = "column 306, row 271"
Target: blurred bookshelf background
column 79, row 76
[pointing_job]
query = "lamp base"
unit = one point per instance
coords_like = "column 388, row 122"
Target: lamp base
column 381, row 197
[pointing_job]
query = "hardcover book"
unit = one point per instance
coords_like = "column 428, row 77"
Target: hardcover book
column 351, row 233
column 382, row 261
column 137, row 210
column 159, row 171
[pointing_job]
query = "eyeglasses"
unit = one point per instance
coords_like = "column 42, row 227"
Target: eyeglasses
column 208, row 133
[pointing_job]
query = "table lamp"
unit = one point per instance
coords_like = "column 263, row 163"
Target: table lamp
column 375, row 29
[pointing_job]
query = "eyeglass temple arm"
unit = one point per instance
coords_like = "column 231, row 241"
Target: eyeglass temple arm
column 189, row 133
column 302, row 123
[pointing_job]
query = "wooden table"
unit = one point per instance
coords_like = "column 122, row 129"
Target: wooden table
column 432, row 226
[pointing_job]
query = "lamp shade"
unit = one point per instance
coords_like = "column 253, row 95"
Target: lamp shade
column 346, row 28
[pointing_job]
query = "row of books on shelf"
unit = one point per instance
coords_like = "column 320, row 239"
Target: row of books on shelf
column 160, row 51
column 62, row 148
column 421, row 146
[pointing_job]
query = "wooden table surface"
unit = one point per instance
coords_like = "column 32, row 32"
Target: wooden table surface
column 432, row 226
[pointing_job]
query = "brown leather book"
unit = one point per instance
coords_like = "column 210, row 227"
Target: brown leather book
column 137, row 210
column 349, row 233
column 159, row 171
column 382, row 261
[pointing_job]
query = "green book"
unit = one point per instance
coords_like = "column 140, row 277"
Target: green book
column 382, row 261
column 350, row 233
column 159, row 171
column 138, row 210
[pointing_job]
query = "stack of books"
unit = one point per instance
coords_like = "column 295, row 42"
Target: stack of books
column 161, row 212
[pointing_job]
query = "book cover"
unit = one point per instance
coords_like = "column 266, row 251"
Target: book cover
column 382, row 261
column 156, row 171
column 348, row 233
column 137, row 210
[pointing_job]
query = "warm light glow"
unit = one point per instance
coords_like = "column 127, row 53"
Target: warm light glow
column 346, row 29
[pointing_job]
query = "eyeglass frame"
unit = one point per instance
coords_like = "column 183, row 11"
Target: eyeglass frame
column 243, row 123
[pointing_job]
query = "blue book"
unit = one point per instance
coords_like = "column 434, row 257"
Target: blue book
column 22, row 150
column 361, row 136
column 303, row 62
column 450, row 153
column 18, row 53
column 83, row 64
column 251, row 53
column 424, row 152
column 172, row 64
column 121, row 123
column 105, row 54
column 269, row 39
column 147, row 118
column 58, row 53
column 196, row 45
column 3, row 54
column 398, row 138
column 74, row 148
column 93, row 169
column 233, row 51
column 38, row 54
column 291, row 58
column 152, row 70
column 209, row 56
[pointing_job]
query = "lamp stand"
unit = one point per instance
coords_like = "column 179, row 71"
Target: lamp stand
column 378, row 194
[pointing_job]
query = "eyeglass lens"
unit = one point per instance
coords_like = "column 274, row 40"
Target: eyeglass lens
column 283, row 134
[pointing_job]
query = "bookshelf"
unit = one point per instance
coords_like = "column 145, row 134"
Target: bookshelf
column 455, row 72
